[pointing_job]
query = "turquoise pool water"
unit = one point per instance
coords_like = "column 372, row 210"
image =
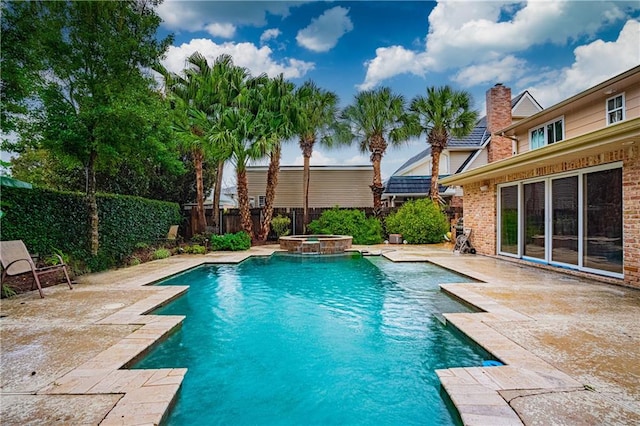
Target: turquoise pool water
column 312, row 341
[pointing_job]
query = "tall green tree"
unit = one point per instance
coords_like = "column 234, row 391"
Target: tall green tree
column 276, row 116
column 190, row 97
column 375, row 119
column 444, row 112
column 316, row 112
column 91, row 97
column 238, row 133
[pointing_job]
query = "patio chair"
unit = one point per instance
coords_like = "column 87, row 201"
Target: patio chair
column 16, row 260
column 463, row 245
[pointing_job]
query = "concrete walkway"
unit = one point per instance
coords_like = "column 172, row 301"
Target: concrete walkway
column 571, row 345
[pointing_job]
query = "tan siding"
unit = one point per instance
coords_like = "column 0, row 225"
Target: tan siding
column 346, row 188
column 456, row 159
column 525, row 108
column 481, row 160
column 585, row 117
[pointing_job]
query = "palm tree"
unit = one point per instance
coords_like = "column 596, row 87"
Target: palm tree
column 189, row 99
column 375, row 117
column 237, row 134
column 275, row 113
column 442, row 113
column 316, row 111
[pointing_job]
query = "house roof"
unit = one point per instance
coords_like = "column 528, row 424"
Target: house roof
column 410, row 185
column 474, row 141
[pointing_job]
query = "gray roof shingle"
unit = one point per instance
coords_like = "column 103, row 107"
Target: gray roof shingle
column 419, row 185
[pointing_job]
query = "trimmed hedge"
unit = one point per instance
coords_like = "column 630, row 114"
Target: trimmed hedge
column 231, row 242
column 348, row 222
column 49, row 220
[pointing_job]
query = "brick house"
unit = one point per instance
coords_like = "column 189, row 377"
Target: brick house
column 562, row 187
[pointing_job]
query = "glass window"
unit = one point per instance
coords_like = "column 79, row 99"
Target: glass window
column 534, row 223
column 603, row 220
column 564, row 212
column 509, row 219
column 546, row 134
column 615, row 109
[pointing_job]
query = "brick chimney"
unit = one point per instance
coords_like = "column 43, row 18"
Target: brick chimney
column 498, row 117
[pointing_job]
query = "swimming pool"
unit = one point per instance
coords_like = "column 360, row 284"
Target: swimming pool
column 312, row 341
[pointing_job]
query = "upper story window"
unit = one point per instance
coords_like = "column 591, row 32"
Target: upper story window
column 615, row 109
column 548, row 133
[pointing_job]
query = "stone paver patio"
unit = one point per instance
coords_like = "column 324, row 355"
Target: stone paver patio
column 571, row 345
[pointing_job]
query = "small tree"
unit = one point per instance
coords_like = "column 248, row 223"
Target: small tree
column 280, row 225
column 420, row 222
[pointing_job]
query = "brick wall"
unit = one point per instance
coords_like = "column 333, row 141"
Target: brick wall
column 481, row 218
column 498, row 117
column 480, row 206
column 631, row 215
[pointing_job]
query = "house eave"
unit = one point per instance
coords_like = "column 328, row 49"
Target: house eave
column 621, row 135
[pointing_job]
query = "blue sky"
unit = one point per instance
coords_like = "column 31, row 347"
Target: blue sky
column 554, row 49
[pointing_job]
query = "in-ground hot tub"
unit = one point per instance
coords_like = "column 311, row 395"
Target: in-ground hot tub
column 316, row 244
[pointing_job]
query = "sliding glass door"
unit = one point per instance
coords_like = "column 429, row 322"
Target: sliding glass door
column 574, row 220
column 564, row 220
column 534, row 220
column 603, row 220
column 509, row 220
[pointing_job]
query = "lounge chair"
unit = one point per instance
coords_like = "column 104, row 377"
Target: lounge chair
column 16, row 260
column 463, row 245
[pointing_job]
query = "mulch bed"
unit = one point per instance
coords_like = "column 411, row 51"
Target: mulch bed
column 22, row 283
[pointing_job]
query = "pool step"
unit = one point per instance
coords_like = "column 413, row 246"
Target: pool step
column 440, row 317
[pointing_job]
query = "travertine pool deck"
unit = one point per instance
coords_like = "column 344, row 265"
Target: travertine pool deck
column 571, row 345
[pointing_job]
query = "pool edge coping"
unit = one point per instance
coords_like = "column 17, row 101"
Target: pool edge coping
column 481, row 395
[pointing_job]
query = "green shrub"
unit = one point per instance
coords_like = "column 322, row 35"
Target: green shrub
column 280, row 225
column 134, row 261
column 348, row 222
column 47, row 220
column 419, row 222
column 200, row 239
column 231, row 242
column 195, row 249
column 162, row 253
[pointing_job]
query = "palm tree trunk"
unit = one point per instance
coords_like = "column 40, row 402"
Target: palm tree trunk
column 434, row 191
column 92, row 203
column 306, row 179
column 272, row 183
column 216, row 197
column 376, row 186
column 199, row 226
column 243, row 202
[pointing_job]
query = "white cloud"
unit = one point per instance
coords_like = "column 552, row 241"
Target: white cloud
column 270, row 34
column 324, row 31
column 391, row 61
column 465, row 34
column 505, row 69
column 594, row 63
column 221, row 30
column 178, row 15
column 248, row 55
column 318, row 158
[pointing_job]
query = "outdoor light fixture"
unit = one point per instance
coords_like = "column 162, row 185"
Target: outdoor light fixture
column 484, row 188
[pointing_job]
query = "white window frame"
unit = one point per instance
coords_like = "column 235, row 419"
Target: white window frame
column 622, row 108
column 262, row 200
column 543, row 126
